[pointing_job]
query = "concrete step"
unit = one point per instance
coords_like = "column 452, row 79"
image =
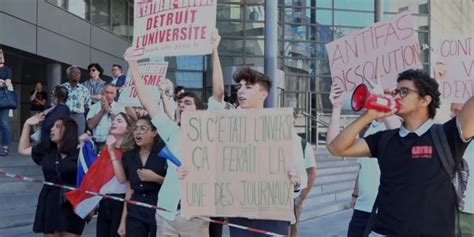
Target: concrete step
column 336, row 163
column 314, row 200
column 325, row 209
column 319, row 189
column 335, row 170
column 336, row 176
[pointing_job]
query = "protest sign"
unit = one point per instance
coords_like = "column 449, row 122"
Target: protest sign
column 173, row 27
column 238, row 163
column 454, row 69
column 152, row 73
column 383, row 49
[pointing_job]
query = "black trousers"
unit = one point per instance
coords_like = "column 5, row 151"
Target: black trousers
column 138, row 228
column 215, row 230
column 109, row 215
column 358, row 223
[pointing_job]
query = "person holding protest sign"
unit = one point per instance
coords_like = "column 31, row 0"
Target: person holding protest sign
column 145, row 171
column 416, row 196
column 367, row 181
column 466, row 216
column 174, row 224
column 58, row 159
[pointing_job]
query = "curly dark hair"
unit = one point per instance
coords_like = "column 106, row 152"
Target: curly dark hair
column 425, row 86
column 253, row 77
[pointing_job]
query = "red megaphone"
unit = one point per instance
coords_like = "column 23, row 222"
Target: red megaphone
column 363, row 98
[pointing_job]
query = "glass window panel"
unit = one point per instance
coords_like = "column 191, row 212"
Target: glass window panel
column 254, row 47
column 255, row 61
column 414, row 6
column 233, row 11
column 255, row 29
column 255, row 13
column 324, row 33
column 231, row 46
column 79, row 8
column 322, row 67
column 421, row 22
column 295, row 100
column 186, row 79
column 100, row 13
column 119, row 18
column 347, row 18
column 59, row 3
column 298, row 15
column 340, row 32
column 324, row 17
column 232, row 29
column 299, row 32
column 298, row 49
column 324, row 3
column 354, row 4
column 231, row 61
column 300, row 66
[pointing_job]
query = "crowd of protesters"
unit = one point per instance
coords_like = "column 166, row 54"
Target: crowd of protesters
column 402, row 188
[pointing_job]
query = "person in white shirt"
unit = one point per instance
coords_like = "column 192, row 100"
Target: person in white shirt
column 368, row 179
column 99, row 118
column 466, row 216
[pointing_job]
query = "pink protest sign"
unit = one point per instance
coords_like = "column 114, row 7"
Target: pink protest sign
column 152, row 73
column 383, row 49
column 173, row 27
column 454, row 69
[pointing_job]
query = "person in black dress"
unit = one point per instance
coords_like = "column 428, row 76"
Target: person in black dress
column 145, row 171
column 58, row 159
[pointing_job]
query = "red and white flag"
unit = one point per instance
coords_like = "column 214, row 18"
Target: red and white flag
column 101, row 179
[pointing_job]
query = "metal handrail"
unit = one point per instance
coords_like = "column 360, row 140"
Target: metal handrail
column 316, row 119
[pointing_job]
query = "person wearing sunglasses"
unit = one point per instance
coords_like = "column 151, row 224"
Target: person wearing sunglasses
column 416, row 196
column 95, row 84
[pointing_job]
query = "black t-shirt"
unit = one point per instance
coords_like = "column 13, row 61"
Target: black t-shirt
column 416, row 196
column 40, row 96
column 146, row 192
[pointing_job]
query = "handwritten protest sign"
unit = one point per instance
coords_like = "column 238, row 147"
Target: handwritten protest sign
column 454, row 69
column 383, row 49
column 238, row 162
column 173, row 27
column 152, row 73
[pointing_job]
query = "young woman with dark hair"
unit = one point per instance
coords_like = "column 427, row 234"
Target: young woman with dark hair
column 145, row 171
column 57, row 156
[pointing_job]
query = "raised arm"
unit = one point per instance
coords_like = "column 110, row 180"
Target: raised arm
column 217, row 75
column 143, row 95
column 334, row 122
column 24, row 147
column 466, row 119
column 345, row 144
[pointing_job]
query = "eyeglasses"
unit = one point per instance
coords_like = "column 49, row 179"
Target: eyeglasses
column 403, row 92
column 140, row 129
column 92, row 70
